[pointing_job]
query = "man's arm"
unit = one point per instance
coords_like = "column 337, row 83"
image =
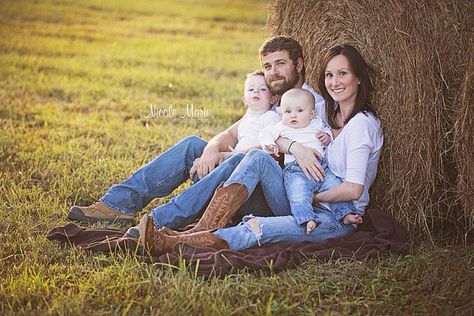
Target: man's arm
column 212, row 156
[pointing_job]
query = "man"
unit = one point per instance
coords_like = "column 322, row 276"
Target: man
column 283, row 64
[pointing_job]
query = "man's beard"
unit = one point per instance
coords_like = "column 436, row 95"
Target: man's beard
column 287, row 84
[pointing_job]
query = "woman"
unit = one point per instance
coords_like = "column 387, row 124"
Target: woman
column 353, row 156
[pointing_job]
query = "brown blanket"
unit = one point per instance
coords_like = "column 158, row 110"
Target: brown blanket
column 380, row 232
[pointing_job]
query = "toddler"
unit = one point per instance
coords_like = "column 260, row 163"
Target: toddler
column 300, row 124
column 258, row 99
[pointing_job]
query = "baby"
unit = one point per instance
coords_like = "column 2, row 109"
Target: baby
column 300, row 124
column 258, row 99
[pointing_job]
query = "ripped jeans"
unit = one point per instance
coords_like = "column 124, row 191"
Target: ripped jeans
column 257, row 167
column 282, row 228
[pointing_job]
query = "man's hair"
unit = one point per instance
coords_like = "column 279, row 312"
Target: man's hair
column 287, row 43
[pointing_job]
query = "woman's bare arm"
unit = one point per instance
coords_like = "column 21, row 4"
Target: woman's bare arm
column 346, row 191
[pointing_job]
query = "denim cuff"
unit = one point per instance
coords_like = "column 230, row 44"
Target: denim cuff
column 118, row 209
column 341, row 212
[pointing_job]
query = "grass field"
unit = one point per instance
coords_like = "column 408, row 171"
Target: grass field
column 77, row 79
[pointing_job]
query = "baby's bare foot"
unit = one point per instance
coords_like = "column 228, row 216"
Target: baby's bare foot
column 310, row 226
column 352, row 219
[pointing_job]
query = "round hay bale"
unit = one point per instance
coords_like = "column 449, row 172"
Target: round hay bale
column 464, row 141
column 418, row 50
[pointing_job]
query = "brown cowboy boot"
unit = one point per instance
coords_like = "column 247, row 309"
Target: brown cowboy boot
column 223, row 205
column 159, row 243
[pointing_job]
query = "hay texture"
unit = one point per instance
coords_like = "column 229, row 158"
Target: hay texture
column 464, row 141
column 419, row 50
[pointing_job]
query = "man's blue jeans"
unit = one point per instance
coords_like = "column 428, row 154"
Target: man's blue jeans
column 257, row 167
column 165, row 173
column 300, row 191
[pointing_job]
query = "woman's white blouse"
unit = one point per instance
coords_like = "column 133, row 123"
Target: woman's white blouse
column 354, row 154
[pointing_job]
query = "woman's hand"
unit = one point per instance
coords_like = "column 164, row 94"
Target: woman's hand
column 308, row 160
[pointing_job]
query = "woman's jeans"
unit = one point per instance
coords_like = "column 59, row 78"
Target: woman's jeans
column 257, row 167
column 165, row 173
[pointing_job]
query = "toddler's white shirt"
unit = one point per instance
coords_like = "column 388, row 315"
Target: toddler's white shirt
column 251, row 125
column 305, row 136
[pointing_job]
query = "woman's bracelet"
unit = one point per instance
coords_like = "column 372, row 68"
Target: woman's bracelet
column 290, row 146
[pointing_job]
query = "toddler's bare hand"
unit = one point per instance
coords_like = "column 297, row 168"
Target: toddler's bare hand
column 272, row 150
column 323, row 138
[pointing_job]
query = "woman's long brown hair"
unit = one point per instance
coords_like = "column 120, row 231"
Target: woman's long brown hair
column 361, row 70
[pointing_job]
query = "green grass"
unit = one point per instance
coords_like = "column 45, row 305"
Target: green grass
column 76, row 81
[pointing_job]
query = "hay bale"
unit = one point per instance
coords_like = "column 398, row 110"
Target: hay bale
column 418, row 49
column 464, row 141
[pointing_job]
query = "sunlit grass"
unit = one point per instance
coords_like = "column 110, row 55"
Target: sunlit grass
column 77, row 79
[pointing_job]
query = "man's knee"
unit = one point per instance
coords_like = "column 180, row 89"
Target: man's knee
column 258, row 154
column 235, row 159
column 194, row 142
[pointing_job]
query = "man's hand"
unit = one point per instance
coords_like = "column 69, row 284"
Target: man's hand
column 272, row 150
column 308, row 160
column 323, row 137
column 210, row 158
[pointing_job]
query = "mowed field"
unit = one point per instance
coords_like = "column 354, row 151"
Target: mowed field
column 77, row 82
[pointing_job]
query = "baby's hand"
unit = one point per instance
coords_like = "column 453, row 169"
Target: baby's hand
column 323, row 138
column 310, row 226
column 272, row 149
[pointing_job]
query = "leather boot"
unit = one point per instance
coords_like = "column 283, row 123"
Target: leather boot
column 158, row 243
column 98, row 212
column 223, row 205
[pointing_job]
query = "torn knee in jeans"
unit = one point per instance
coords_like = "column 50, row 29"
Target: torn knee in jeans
column 254, row 226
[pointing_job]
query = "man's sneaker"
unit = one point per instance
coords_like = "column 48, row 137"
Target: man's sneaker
column 98, row 212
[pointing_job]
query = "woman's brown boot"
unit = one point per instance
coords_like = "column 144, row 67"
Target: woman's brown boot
column 159, row 243
column 223, row 205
